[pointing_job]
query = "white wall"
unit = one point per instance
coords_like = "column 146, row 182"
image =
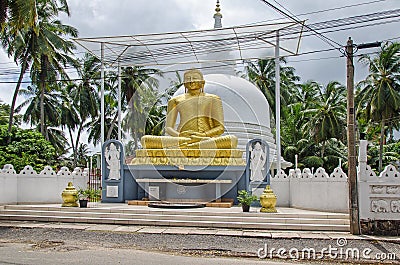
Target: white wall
column 30, row 187
column 318, row 191
column 379, row 196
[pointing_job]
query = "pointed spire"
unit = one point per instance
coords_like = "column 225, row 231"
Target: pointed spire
column 217, row 9
column 218, row 17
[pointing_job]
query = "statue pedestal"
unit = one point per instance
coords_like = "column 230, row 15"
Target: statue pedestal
column 189, row 157
column 257, row 188
column 192, row 183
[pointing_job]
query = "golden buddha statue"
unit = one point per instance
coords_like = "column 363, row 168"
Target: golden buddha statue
column 198, row 137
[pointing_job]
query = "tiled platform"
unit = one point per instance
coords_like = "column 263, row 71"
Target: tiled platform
column 224, row 218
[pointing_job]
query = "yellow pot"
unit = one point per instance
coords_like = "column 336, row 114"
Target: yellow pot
column 268, row 201
column 70, row 196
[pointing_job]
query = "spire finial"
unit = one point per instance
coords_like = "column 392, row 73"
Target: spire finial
column 218, row 17
column 217, row 9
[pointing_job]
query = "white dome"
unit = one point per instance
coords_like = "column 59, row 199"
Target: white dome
column 246, row 110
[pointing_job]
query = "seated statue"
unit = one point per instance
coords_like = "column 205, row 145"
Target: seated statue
column 198, row 139
column 201, row 120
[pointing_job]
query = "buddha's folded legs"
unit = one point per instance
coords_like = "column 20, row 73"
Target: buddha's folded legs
column 161, row 142
column 220, row 142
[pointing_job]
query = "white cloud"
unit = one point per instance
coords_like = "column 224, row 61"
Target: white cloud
column 126, row 17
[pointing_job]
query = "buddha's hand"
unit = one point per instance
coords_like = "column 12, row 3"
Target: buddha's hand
column 186, row 134
column 197, row 136
column 194, row 136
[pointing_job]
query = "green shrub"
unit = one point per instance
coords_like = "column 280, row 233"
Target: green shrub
column 25, row 147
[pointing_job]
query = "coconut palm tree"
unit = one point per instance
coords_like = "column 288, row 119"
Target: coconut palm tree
column 139, row 88
column 379, row 94
column 327, row 114
column 18, row 14
column 157, row 114
column 81, row 100
column 40, row 45
column 262, row 74
column 94, row 125
column 52, row 105
column 32, row 104
column 5, row 113
column 53, row 52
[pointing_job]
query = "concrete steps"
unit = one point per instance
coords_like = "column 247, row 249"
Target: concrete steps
column 205, row 217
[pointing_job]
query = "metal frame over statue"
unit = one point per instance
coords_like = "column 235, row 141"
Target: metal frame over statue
column 196, row 160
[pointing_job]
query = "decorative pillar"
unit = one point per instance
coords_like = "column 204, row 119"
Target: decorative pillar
column 362, row 160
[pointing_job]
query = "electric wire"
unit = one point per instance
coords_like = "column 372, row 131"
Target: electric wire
column 294, row 18
column 249, row 43
column 322, row 11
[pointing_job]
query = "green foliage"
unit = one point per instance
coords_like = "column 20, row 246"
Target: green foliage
column 26, row 147
column 378, row 96
column 391, row 155
column 89, row 194
column 246, row 198
column 313, row 161
column 5, row 113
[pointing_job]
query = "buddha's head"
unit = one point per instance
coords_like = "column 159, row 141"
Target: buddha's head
column 193, row 80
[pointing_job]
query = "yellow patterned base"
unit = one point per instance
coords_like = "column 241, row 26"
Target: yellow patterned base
column 191, row 161
column 189, row 153
column 189, row 157
column 268, row 210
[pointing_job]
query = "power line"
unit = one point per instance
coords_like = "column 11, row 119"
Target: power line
column 294, row 18
column 323, row 11
column 248, row 38
column 247, row 41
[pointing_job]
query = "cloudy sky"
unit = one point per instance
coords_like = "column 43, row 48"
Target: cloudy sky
column 96, row 18
column 126, row 17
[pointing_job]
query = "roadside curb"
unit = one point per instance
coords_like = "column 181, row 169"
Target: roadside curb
column 115, row 228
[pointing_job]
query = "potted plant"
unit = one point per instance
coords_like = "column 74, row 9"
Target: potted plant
column 246, row 199
column 86, row 195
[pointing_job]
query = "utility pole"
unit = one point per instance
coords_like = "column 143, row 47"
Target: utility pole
column 351, row 145
column 351, row 137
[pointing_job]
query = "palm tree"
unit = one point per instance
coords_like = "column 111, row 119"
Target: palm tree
column 5, row 113
column 262, row 74
column 157, row 114
column 53, row 51
column 81, row 100
column 69, row 117
column 18, row 14
column 139, row 90
column 327, row 114
column 379, row 93
column 94, row 126
column 41, row 44
column 32, row 104
column 81, row 155
column 54, row 118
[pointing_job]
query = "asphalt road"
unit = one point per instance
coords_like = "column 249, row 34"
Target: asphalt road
column 22, row 253
column 72, row 246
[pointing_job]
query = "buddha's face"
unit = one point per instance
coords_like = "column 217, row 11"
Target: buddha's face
column 193, row 81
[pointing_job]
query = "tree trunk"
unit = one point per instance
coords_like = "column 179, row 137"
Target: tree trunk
column 381, row 142
column 78, row 137
column 14, row 100
column 73, row 146
column 323, row 149
column 43, row 75
column 112, row 126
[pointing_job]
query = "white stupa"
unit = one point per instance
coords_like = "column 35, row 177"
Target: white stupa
column 246, row 110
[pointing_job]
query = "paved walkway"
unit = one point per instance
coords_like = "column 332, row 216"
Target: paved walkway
column 199, row 231
column 274, row 234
